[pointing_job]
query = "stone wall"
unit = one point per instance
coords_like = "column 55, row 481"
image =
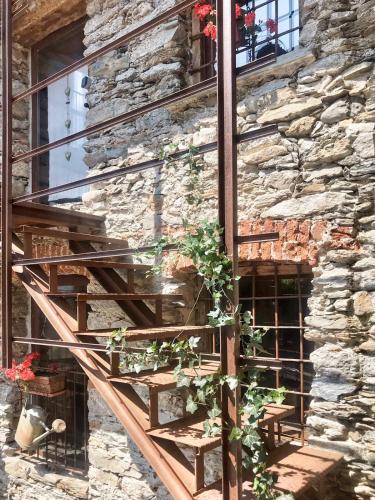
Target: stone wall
column 313, row 181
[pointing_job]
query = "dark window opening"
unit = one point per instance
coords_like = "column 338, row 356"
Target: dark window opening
column 276, row 295
column 58, row 111
column 68, row 450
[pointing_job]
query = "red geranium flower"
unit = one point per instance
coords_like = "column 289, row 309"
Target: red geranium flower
column 250, row 19
column 27, row 375
column 23, row 371
column 238, row 10
column 202, row 10
column 210, row 30
column 33, row 356
column 11, row 373
column 271, row 25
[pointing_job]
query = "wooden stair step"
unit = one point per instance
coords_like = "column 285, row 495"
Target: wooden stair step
column 165, row 379
column 85, row 297
column 298, row 468
column 158, row 333
column 69, row 235
column 38, row 214
column 189, row 431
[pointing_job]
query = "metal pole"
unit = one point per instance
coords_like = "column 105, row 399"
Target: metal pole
column 6, row 185
column 227, row 159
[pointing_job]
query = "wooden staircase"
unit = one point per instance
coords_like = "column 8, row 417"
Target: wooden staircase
column 299, row 468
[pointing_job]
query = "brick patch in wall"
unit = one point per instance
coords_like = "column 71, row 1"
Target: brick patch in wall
column 299, row 241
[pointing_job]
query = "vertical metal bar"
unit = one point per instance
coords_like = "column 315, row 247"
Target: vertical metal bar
column 28, row 245
column 82, row 315
column 277, row 28
column 53, row 278
column 227, row 161
column 301, row 356
column 253, row 308
column 158, row 312
column 276, row 320
column 74, row 419
column 85, row 420
column 131, row 277
column 6, row 185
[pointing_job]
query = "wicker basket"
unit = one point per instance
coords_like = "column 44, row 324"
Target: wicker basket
column 47, row 384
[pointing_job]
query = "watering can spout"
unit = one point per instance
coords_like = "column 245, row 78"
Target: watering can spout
column 32, row 428
column 58, row 426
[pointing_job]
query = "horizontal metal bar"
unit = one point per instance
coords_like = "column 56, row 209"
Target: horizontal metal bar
column 119, row 252
column 246, row 136
column 104, row 254
column 271, row 363
column 278, row 297
column 120, row 119
column 257, row 238
column 140, row 30
column 59, row 343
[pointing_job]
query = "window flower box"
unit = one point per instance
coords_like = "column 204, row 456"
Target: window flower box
column 46, row 383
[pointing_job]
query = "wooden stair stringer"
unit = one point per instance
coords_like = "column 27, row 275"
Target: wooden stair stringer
column 168, row 461
column 112, row 282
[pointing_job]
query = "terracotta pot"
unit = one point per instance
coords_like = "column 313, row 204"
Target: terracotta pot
column 47, row 384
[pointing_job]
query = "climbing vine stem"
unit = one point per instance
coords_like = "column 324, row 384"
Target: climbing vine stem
column 203, row 245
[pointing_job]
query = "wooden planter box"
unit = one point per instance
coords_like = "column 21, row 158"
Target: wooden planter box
column 47, row 384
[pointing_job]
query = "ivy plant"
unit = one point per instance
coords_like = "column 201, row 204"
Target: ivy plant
column 203, row 245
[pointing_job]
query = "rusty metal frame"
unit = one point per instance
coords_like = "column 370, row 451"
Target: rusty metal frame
column 228, row 139
column 227, row 167
column 6, row 185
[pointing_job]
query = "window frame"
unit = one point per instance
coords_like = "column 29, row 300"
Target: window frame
column 71, row 28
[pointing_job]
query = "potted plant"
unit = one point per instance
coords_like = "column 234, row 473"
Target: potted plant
column 30, row 378
column 248, row 29
column 32, row 427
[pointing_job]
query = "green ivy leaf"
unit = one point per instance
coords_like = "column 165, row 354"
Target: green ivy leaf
column 191, row 406
column 235, row 434
column 232, row 382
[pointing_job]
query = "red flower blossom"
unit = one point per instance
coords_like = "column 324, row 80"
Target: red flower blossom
column 238, row 11
column 210, row 31
column 33, row 356
column 202, row 10
column 23, row 371
column 11, row 373
column 250, row 19
column 271, row 25
column 27, row 375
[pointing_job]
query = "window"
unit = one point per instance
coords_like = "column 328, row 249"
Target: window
column 58, row 111
column 277, row 295
column 252, row 44
column 68, row 450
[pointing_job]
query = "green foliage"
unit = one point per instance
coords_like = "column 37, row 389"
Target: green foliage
column 203, row 246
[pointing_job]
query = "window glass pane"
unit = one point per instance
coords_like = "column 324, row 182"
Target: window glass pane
column 61, row 110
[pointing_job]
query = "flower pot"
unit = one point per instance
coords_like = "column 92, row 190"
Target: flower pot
column 47, row 384
column 268, row 49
